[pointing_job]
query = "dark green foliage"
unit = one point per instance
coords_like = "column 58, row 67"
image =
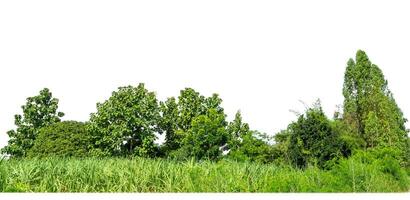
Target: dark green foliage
column 369, row 106
column 125, row 124
column 247, row 145
column 312, row 139
column 206, row 136
column 63, row 139
column 39, row 111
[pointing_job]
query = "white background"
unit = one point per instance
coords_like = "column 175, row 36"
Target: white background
column 262, row 57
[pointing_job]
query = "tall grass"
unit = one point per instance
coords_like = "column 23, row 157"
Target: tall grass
column 150, row 175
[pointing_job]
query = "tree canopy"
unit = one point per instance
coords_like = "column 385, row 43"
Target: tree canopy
column 369, row 106
column 38, row 112
column 126, row 123
column 178, row 115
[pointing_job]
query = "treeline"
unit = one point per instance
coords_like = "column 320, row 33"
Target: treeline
column 195, row 126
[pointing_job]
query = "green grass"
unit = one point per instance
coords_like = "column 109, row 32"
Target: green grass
column 156, row 175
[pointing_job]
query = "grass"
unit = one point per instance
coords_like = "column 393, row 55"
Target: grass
column 157, row 175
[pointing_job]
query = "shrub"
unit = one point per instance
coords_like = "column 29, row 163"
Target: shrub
column 372, row 171
column 65, row 139
column 312, row 139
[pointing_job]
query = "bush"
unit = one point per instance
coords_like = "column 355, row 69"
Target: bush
column 372, row 171
column 65, row 139
column 312, row 139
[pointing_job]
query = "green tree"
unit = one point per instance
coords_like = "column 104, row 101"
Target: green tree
column 312, row 139
column 206, row 136
column 237, row 129
column 190, row 105
column 168, row 124
column 39, row 111
column 245, row 144
column 369, row 106
column 177, row 116
column 126, row 123
column 64, row 139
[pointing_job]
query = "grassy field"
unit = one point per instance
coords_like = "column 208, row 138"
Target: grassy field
column 149, row 175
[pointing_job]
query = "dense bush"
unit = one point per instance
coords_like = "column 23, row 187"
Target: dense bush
column 372, row 170
column 63, row 139
column 312, row 139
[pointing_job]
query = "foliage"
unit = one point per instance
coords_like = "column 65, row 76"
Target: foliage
column 158, row 175
column 39, row 111
column 280, row 149
column 64, row 139
column 206, row 136
column 312, row 139
column 348, row 141
column 245, row 144
column 177, row 116
column 365, row 168
column 369, row 106
column 125, row 123
column 168, row 124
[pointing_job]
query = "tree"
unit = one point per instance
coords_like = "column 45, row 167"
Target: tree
column 369, row 106
column 177, row 116
column 168, row 124
column 237, row 130
column 64, row 139
column 38, row 112
column 206, row 136
column 126, row 123
column 190, row 105
column 312, row 139
column 245, row 144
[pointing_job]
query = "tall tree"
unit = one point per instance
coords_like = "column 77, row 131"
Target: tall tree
column 369, row 106
column 125, row 123
column 38, row 112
